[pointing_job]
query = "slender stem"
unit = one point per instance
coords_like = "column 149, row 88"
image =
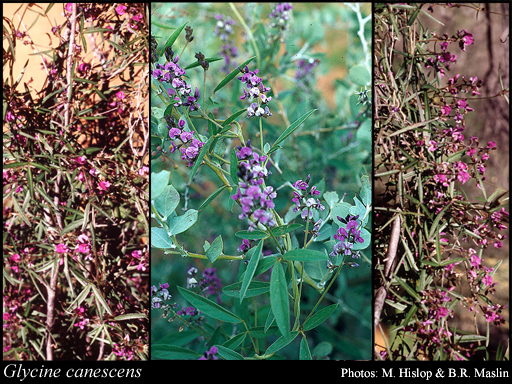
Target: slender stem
column 69, row 68
column 203, row 257
column 248, row 31
column 325, row 291
column 204, row 90
column 306, row 231
column 261, row 135
column 50, row 313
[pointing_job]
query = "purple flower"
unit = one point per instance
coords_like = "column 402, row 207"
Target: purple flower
column 172, row 73
column 190, row 146
column 84, row 67
column 347, row 237
column 253, row 197
column 281, row 13
column 304, row 75
column 211, row 284
column 245, row 246
column 223, row 29
column 189, row 311
column 466, row 38
column 210, row 355
column 303, row 202
column 255, row 90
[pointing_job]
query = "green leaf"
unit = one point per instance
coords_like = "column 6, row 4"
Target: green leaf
column 79, row 299
column 437, row 220
column 170, row 41
column 260, row 332
column 254, row 235
column 235, row 341
column 322, row 349
column 167, row 201
column 281, row 343
column 279, row 299
column 229, row 354
column 158, row 182
column 231, row 76
column 360, row 75
column 304, row 352
column 255, row 288
column 211, row 198
column 30, row 182
column 98, row 296
column 319, row 317
column 280, row 231
column 215, row 249
column 366, row 191
column 364, row 134
column 469, row 338
column 233, row 168
column 407, row 287
column 251, row 268
column 158, row 113
column 20, row 211
column 342, row 210
column 130, row 316
column 179, row 224
column 331, row 198
column 367, row 240
column 304, row 255
column 16, row 164
column 202, row 154
column 230, row 119
column 197, row 64
column 160, row 238
column 171, row 352
column 265, row 264
column 209, row 307
column 291, row 128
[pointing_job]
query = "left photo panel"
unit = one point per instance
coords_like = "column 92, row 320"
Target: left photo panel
column 76, row 181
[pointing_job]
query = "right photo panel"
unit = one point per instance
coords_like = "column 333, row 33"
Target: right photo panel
column 441, row 181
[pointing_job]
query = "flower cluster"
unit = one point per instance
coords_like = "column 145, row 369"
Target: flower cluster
column 347, row 236
column 493, row 314
column 80, row 312
column 83, row 248
column 159, row 295
column 210, row 284
column 480, row 275
column 304, row 75
column 281, row 15
column 303, row 201
column 223, row 29
column 254, row 197
column 173, row 74
column 434, row 300
column 140, row 259
column 202, row 61
column 183, row 140
column 255, row 90
column 133, row 14
column 446, row 58
column 15, row 301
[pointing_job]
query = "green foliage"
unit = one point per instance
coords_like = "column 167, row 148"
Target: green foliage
column 284, row 283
